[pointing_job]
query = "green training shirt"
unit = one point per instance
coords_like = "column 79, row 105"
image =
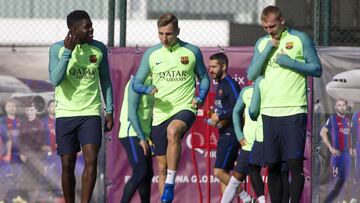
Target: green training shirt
column 77, row 75
column 284, row 87
column 285, row 69
column 250, row 126
column 241, row 109
column 173, row 73
column 144, row 113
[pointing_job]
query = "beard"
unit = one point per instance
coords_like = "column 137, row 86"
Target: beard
column 218, row 75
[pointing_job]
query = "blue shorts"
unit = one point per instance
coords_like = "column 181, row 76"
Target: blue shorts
column 136, row 155
column 73, row 132
column 159, row 132
column 226, row 151
column 341, row 165
column 242, row 162
column 256, row 156
column 284, row 137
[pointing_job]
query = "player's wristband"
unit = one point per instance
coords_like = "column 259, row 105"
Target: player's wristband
column 150, row 89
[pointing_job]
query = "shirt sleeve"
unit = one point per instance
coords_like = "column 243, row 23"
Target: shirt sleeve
column 254, row 109
column 259, row 59
column 58, row 66
column 202, row 75
column 328, row 124
column 105, row 80
column 141, row 74
column 311, row 66
column 236, row 116
column 133, row 103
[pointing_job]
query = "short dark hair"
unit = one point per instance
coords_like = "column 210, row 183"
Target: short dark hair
column 75, row 16
column 221, row 58
column 271, row 10
column 166, row 19
column 50, row 101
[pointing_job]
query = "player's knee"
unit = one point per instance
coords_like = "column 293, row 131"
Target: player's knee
column 218, row 172
column 172, row 130
column 146, row 172
column 140, row 173
column 239, row 176
column 173, row 135
column 68, row 167
column 90, row 161
column 68, row 163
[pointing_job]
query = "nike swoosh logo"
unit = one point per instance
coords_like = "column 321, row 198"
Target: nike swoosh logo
column 157, row 63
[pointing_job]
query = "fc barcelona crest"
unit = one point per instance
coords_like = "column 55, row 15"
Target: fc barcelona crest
column 289, row 45
column 184, row 59
column 92, row 58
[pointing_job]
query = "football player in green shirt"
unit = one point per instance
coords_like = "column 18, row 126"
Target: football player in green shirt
column 77, row 65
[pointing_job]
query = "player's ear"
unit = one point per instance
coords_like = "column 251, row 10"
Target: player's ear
column 223, row 67
column 282, row 21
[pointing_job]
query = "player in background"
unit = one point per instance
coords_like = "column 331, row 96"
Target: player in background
column 227, row 93
column 337, row 128
column 134, row 133
column 12, row 124
column 250, row 158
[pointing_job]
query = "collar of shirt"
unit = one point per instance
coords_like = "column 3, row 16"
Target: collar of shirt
column 172, row 48
column 223, row 79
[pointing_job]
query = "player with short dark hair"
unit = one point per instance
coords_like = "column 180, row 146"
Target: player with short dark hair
column 77, row 65
column 227, row 93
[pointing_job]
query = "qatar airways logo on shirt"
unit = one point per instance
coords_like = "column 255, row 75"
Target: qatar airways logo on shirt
column 82, row 73
column 344, row 130
column 173, row 76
